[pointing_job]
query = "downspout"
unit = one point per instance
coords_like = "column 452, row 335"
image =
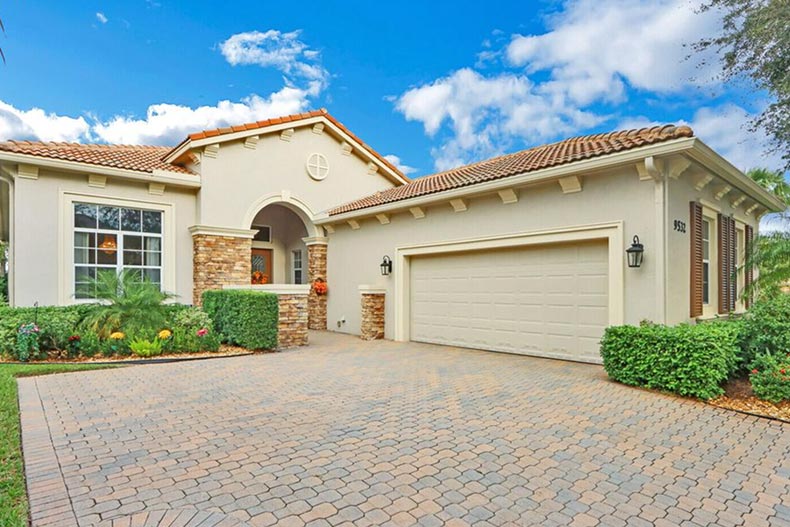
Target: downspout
column 11, row 236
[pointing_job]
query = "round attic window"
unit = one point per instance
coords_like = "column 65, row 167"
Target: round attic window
column 317, row 166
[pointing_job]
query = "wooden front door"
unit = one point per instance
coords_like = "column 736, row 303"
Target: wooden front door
column 262, row 272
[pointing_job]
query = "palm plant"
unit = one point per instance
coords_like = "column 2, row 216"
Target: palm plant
column 129, row 303
column 770, row 252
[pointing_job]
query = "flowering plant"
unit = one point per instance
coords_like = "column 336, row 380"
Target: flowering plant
column 202, row 332
column 117, row 335
column 769, row 377
column 165, row 334
column 27, row 342
column 320, row 287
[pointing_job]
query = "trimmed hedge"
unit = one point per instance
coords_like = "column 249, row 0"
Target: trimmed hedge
column 684, row 359
column 244, row 318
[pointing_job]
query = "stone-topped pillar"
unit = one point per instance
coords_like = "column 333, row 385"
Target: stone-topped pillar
column 220, row 257
column 292, row 308
column 372, row 300
column 316, row 270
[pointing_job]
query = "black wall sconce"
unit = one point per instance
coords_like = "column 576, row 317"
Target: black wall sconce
column 386, row 266
column 635, row 253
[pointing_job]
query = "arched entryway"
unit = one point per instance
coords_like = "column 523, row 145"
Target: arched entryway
column 279, row 253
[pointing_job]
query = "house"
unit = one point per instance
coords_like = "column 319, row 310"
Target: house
column 524, row 253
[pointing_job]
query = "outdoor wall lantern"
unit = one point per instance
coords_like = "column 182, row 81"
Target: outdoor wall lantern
column 386, row 266
column 635, row 253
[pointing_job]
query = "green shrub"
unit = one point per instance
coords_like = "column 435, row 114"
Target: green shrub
column 244, row 318
column 684, row 359
column 766, row 328
column 770, row 377
column 3, row 287
column 116, row 344
column 56, row 325
column 146, row 348
column 89, row 344
column 27, row 342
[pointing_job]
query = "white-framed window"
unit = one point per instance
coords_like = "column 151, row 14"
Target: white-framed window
column 296, row 260
column 706, row 257
column 109, row 237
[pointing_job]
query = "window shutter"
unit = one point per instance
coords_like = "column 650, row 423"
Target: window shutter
column 695, row 278
column 723, row 241
column 749, row 274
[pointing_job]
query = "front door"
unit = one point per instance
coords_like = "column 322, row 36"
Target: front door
column 262, row 272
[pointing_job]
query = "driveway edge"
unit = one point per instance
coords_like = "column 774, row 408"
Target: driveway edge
column 48, row 497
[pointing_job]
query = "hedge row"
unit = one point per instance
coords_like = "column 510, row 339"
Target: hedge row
column 691, row 360
column 244, row 318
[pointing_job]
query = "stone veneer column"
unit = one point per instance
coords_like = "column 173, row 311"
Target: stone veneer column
column 372, row 300
column 292, row 324
column 220, row 257
column 316, row 268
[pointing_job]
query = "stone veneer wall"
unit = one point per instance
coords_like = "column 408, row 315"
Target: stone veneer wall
column 218, row 261
column 292, row 325
column 316, row 268
column 372, row 316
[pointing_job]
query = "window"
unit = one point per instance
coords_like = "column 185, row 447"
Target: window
column 705, row 261
column 264, row 233
column 297, row 266
column 115, row 238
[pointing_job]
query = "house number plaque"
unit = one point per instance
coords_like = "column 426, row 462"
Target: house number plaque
column 680, row 226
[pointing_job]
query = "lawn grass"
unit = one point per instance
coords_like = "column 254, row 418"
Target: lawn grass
column 13, row 495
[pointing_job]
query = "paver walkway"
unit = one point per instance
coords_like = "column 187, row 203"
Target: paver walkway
column 347, row 432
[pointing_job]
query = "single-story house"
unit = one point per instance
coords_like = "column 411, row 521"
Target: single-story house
column 525, row 253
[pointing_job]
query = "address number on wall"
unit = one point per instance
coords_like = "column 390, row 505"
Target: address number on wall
column 680, row 226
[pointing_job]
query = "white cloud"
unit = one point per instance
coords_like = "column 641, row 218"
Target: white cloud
column 395, row 160
column 595, row 47
column 101, row 18
column 275, row 49
column 167, row 124
column 726, row 129
column 37, row 124
column 486, row 113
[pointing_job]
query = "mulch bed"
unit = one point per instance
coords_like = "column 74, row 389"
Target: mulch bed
column 224, row 351
column 738, row 396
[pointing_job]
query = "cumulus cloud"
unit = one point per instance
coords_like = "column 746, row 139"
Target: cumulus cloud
column 395, row 160
column 485, row 113
column 275, row 49
column 101, row 17
column 167, row 124
column 594, row 48
column 36, row 124
column 593, row 55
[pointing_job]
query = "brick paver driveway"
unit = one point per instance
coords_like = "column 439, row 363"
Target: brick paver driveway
column 355, row 433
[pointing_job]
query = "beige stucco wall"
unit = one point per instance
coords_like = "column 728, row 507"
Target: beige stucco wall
column 42, row 243
column 615, row 196
column 239, row 180
column 681, row 193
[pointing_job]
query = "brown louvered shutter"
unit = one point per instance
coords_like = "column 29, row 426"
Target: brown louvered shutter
column 695, row 278
column 727, row 259
column 749, row 274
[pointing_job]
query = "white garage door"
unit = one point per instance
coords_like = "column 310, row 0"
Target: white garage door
column 548, row 300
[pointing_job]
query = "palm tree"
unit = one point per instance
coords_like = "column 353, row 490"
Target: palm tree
column 770, row 252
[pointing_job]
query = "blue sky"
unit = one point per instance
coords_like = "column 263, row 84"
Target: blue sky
column 436, row 84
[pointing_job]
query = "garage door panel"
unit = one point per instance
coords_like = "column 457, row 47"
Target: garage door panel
column 547, row 300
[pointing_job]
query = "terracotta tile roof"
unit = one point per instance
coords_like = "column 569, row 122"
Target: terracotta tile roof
column 128, row 157
column 560, row 153
column 205, row 134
